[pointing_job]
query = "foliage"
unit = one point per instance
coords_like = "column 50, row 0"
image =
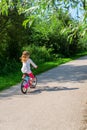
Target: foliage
column 83, row 36
column 44, row 23
column 59, row 32
column 9, row 67
column 39, row 54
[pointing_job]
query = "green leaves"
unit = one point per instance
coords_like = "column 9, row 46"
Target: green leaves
column 28, row 21
column 3, row 7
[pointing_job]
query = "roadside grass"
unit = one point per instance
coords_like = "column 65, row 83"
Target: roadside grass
column 11, row 79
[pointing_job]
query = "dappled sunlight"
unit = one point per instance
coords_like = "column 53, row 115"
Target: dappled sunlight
column 65, row 73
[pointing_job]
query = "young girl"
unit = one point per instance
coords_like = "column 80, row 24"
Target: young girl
column 26, row 61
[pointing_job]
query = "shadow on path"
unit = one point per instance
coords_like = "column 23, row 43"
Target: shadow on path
column 65, row 73
column 38, row 90
column 51, row 89
column 74, row 71
column 10, row 92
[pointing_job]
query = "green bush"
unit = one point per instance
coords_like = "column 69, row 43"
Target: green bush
column 39, row 54
column 9, row 67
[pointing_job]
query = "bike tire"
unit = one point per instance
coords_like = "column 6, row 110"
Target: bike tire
column 34, row 82
column 23, row 89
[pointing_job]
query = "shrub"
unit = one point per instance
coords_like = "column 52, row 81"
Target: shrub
column 39, row 54
column 9, row 67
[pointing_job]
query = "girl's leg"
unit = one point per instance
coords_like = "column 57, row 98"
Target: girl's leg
column 31, row 75
column 23, row 76
column 31, row 78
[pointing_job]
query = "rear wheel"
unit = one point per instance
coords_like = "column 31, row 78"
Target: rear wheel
column 23, row 88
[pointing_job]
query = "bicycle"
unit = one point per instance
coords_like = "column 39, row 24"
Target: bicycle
column 28, row 82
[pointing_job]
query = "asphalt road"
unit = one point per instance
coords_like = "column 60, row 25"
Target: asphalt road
column 58, row 102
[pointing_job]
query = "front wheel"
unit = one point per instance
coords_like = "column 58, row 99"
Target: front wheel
column 23, row 88
column 34, row 82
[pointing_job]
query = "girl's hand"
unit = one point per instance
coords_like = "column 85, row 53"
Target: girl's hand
column 36, row 67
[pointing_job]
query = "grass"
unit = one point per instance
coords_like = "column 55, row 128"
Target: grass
column 13, row 78
column 8, row 80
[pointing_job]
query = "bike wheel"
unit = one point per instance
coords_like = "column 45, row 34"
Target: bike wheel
column 34, row 82
column 23, row 88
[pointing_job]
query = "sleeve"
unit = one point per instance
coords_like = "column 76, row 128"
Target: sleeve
column 33, row 64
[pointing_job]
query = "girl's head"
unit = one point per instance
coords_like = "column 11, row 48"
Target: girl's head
column 25, row 53
column 25, row 56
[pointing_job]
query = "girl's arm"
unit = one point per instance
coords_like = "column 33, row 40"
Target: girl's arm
column 33, row 64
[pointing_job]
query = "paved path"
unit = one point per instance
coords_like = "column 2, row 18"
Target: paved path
column 58, row 102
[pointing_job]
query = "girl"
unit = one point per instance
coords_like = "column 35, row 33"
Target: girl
column 26, row 61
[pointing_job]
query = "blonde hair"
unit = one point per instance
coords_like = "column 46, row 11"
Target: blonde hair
column 25, row 56
column 25, row 53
